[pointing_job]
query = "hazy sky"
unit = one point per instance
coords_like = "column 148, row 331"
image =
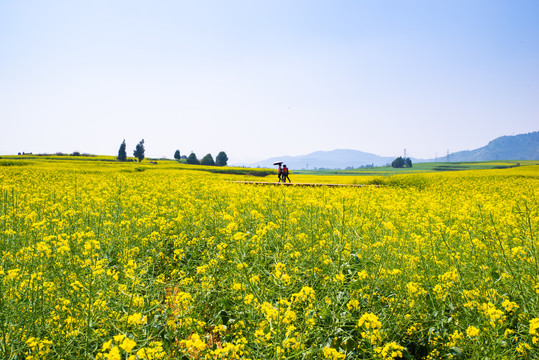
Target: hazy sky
column 266, row 78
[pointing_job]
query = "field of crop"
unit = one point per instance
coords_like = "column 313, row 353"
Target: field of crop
column 421, row 167
column 109, row 261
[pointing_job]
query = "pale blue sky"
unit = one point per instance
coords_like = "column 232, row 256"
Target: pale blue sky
column 266, row 78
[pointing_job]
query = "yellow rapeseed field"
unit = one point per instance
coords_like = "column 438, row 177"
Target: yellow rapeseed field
column 107, row 262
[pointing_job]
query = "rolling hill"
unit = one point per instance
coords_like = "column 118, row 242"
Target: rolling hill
column 516, row 147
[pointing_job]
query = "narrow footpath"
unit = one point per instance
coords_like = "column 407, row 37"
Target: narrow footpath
column 303, row 184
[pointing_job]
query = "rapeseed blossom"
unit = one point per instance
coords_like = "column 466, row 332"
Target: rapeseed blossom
column 369, row 321
column 389, row 351
column 115, row 263
column 534, row 327
column 472, row 332
column 333, row 354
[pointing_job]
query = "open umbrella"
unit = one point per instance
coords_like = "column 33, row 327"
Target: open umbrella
column 277, row 163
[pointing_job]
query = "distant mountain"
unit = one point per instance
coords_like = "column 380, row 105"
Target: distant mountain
column 336, row 159
column 516, row 147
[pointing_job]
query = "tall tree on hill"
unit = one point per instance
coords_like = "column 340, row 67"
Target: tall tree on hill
column 221, row 159
column 177, row 155
column 139, row 151
column 207, row 160
column 192, row 159
column 122, row 154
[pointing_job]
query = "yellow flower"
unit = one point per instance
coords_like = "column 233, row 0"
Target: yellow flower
column 136, row 319
column 472, row 332
column 128, row 344
column 534, row 326
column 369, row 321
column 331, row 353
column 353, row 304
column 107, row 346
column 118, row 338
column 510, row 306
column 389, row 351
column 306, row 293
column 114, row 354
column 237, row 286
column 248, row 299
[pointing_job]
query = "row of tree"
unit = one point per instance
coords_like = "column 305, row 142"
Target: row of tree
column 220, row 160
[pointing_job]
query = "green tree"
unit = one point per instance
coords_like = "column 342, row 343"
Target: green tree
column 207, row 160
column 408, row 163
column 221, row 159
column 192, row 159
column 398, row 163
column 177, row 155
column 122, row 154
column 139, row 151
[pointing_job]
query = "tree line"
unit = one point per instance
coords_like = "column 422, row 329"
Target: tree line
column 220, row 160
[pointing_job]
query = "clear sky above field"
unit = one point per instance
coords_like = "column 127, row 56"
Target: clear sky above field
column 266, row 78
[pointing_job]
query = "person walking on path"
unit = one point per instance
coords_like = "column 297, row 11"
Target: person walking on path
column 280, row 172
column 284, row 175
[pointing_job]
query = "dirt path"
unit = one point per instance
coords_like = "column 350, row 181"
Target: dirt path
column 302, row 184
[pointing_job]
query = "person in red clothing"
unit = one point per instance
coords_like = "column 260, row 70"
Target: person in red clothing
column 280, row 172
column 284, row 175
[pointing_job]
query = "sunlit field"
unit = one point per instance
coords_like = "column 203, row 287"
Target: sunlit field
column 129, row 261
